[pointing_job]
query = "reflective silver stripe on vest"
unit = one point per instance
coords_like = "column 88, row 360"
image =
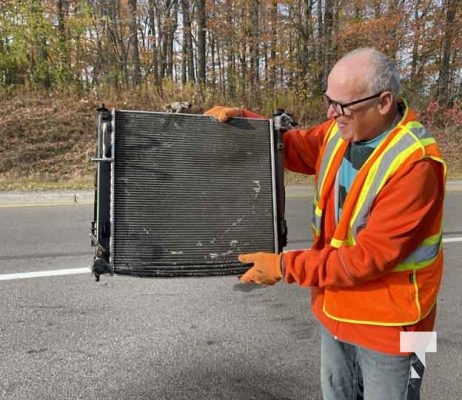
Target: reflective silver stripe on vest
column 316, row 221
column 423, row 253
column 419, row 130
column 402, row 144
column 328, row 154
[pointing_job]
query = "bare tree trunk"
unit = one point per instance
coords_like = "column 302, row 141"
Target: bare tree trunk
column 327, row 41
column 444, row 90
column 169, row 47
column 273, row 42
column 417, row 41
column 134, row 55
column 377, row 8
column 230, row 54
column 243, row 45
column 65, row 63
column 41, row 67
column 320, row 48
column 111, row 11
column 201, row 41
column 304, row 37
column 170, row 24
column 254, row 41
column 395, row 12
column 184, row 45
column 154, row 43
column 187, row 60
column 213, row 62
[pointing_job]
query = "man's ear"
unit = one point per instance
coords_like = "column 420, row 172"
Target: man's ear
column 385, row 102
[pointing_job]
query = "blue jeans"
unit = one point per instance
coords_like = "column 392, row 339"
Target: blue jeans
column 350, row 372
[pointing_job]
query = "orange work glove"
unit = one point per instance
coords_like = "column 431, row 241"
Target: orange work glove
column 266, row 268
column 223, row 114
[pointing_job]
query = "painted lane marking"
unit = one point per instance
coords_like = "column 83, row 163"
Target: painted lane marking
column 452, row 239
column 52, row 204
column 87, row 270
column 39, row 274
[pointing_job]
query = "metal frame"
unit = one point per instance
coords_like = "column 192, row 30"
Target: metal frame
column 102, row 232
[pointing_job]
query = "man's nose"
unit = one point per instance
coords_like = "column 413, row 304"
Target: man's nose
column 331, row 112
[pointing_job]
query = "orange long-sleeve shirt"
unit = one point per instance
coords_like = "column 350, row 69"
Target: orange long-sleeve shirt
column 398, row 223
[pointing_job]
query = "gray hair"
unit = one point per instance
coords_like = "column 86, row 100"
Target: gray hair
column 384, row 74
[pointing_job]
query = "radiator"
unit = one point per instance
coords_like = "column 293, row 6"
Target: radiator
column 184, row 195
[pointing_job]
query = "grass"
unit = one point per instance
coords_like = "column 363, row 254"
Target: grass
column 24, row 184
column 47, row 140
column 85, row 183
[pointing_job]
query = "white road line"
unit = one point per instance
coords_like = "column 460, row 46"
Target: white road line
column 52, row 204
column 39, row 274
column 74, row 271
column 452, row 239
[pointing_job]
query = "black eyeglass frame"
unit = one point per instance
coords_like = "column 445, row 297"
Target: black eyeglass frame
column 335, row 104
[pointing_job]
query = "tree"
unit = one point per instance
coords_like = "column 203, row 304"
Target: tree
column 201, row 41
column 188, row 72
column 445, row 89
column 133, row 49
column 233, row 49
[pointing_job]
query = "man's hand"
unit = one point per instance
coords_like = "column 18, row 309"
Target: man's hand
column 266, row 268
column 223, row 114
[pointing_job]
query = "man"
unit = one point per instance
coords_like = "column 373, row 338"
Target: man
column 375, row 266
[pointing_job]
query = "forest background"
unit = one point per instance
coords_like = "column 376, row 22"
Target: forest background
column 61, row 59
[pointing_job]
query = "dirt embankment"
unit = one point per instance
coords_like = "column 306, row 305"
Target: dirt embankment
column 48, row 141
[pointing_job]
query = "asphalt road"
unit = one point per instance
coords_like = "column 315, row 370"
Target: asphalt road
column 68, row 337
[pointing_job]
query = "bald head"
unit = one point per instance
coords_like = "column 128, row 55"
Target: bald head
column 351, row 76
column 367, row 70
column 362, row 94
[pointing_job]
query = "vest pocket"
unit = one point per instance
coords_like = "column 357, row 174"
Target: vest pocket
column 392, row 300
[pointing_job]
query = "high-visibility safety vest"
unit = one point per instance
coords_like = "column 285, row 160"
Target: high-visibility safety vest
column 408, row 293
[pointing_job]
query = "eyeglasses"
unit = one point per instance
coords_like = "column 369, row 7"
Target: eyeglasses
column 339, row 108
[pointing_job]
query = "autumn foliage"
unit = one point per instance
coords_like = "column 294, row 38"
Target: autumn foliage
column 60, row 59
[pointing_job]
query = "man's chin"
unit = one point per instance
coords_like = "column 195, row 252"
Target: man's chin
column 346, row 135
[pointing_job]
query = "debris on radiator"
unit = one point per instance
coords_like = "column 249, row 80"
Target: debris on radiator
column 183, row 195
